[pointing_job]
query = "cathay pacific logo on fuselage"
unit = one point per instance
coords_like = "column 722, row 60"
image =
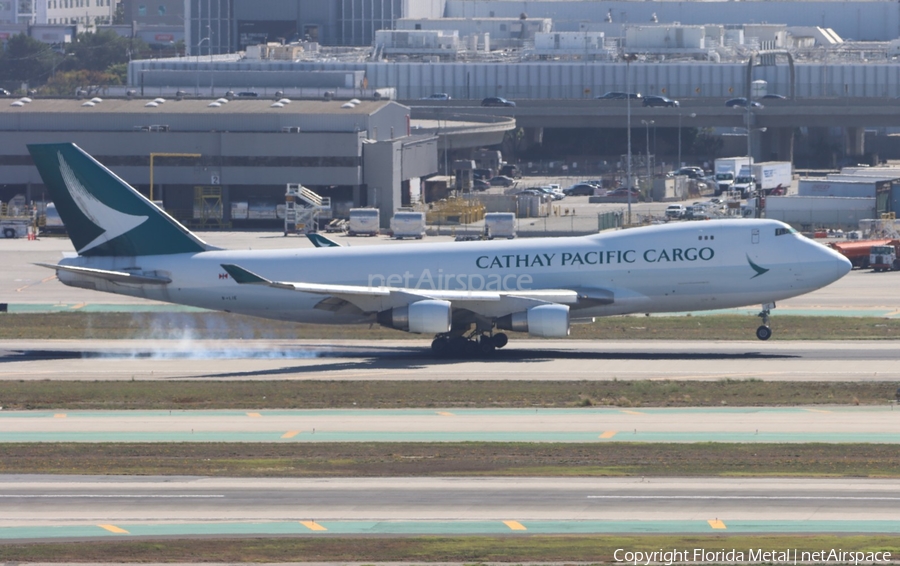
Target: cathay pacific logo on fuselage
column 111, row 221
column 759, row 270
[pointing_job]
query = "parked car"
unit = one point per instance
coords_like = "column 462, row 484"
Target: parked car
column 4, row 92
column 480, row 185
column 497, row 101
column 742, row 103
column 554, row 194
column 675, row 211
column 614, row 95
column 692, row 173
column 510, row 170
column 481, row 174
column 580, row 189
column 623, row 192
column 247, row 94
column 502, row 181
column 436, row 96
column 774, row 96
column 660, row 101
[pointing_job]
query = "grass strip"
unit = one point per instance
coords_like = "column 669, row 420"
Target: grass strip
column 212, row 325
column 258, row 395
column 469, row 550
column 388, row 459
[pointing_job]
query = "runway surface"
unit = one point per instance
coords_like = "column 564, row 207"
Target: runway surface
column 792, row 424
column 38, row 507
column 411, row 360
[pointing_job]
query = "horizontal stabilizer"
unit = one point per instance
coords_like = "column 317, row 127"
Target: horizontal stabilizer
column 116, row 276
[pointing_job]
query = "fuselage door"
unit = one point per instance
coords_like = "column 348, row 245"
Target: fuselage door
column 754, row 236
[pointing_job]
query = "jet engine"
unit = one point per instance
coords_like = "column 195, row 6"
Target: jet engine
column 421, row 317
column 548, row 321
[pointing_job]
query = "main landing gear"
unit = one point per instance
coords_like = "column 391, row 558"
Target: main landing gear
column 474, row 345
column 764, row 332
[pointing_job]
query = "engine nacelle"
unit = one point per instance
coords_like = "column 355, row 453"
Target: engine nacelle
column 548, row 321
column 421, row 317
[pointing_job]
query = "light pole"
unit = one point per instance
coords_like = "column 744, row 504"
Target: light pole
column 692, row 115
column 197, row 60
column 647, row 124
column 629, row 57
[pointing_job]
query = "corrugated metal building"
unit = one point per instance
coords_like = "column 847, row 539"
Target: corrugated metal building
column 248, row 148
column 540, row 79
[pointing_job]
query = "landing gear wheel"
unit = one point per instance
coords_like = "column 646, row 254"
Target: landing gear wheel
column 763, row 332
column 486, row 345
column 456, row 347
column 440, row 346
column 500, row 340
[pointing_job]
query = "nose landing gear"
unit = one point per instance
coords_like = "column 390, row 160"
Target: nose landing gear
column 764, row 332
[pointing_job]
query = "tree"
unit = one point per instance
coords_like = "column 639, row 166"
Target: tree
column 65, row 84
column 100, row 51
column 26, row 60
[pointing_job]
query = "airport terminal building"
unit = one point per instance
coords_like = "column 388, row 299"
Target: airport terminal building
column 243, row 152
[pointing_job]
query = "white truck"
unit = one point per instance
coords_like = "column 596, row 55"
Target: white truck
column 14, row 227
column 725, row 169
column 500, row 225
column 363, row 222
column 773, row 177
column 15, row 221
column 408, row 225
column 744, row 183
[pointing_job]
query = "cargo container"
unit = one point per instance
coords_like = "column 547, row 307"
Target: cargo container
column 500, row 225
column 408, row 225
column 363, row 222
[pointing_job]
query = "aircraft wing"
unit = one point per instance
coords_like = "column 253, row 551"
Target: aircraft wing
column 486, row 303
column 115, row 276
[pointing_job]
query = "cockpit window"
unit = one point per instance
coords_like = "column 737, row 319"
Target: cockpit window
column 783, row 231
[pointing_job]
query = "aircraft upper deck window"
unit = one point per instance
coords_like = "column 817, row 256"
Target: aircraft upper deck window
column 783, row 231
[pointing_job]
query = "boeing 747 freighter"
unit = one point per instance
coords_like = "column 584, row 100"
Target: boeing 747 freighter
column 465, row 294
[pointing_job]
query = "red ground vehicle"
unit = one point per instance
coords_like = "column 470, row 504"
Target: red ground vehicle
column 885, row 258
column 858, row 251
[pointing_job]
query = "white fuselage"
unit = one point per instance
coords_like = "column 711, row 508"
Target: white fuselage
column 668, row 268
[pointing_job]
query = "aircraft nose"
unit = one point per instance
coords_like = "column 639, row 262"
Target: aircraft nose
column 842, row 266
column 838, row 264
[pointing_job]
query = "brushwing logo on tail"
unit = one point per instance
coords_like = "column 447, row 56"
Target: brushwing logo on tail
column 113, row 222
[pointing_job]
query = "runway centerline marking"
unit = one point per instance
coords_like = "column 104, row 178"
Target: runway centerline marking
column 106, row 496
column 608, row 434
column 749, row 497
column 716, row 524
column 254, row 415
column 313, row 526
column 114, row 529
column 515, row 526
column 290, row 434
